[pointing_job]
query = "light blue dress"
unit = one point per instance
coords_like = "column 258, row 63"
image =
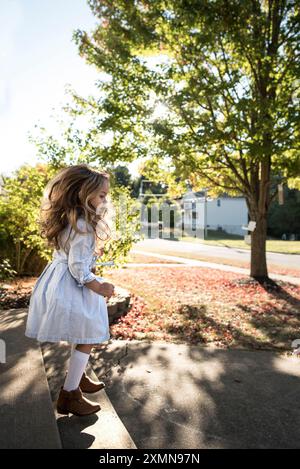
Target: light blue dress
column 61, row 308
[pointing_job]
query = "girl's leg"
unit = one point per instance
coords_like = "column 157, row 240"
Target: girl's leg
column 78, row 361
column 85, row 348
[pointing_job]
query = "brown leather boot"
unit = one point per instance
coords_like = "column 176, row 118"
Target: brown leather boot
column 74, row 402
column 90, row 386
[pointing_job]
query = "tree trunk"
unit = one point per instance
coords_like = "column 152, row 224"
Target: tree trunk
column 258, row 269
column 18, row 257
column 24, row 259
column 259, row 205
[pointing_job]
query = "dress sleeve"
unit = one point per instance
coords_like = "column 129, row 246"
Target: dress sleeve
column 81, row 254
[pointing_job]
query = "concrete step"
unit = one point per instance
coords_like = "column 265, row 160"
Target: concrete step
column 176, row 395
column 26, row 413
column 103, row 430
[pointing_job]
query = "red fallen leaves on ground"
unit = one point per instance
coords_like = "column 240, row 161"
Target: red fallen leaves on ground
column 199, row 305
column 196, row 305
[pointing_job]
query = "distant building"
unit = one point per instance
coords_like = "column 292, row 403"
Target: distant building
column 203, row 213
column 194, row 214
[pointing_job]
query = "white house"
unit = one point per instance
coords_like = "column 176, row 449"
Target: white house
column 200, row 213
column 194, row 214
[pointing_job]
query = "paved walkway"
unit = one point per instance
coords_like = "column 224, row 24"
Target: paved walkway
column 161, row 395
column 27, row 406
column 180, row 396
column 26, row 413
column 97, row 431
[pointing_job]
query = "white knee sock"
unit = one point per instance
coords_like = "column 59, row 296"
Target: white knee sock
column 77, row 365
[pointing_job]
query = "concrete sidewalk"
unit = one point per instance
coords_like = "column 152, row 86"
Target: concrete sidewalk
column 180, row 396
column 97, row 431
column 157, row 395
column 27, row 399
column 26, row 413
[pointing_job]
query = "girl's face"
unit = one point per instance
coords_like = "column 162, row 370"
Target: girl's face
column 100, row 196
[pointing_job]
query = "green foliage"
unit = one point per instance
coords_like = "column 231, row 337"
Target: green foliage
column 285, row 218
column 218, row 107
column 23, row 250
column 294, row 183
column 6, row 271
column 126, row 227
column 228, row 76
column 19, row 208
column 121, row 176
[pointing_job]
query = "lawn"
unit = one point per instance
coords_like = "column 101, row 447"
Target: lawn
column 198, row 305
column 195, row 305
column 285, row 247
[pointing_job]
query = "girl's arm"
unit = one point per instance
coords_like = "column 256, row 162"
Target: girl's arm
column 80, row 253
column 102, row 288
column 79, row 257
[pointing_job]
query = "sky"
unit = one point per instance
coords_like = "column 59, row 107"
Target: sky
column 38, row 59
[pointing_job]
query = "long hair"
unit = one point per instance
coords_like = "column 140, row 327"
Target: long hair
column 67, row 197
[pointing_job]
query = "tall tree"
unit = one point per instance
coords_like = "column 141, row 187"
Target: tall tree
column 121, row 176
column 226, row 75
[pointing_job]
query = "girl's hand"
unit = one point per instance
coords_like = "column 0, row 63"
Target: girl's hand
column 106, row 289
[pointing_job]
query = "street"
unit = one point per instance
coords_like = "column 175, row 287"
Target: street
column 178, row 247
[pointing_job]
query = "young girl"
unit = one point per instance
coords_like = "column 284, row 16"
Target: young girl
column 67, row 302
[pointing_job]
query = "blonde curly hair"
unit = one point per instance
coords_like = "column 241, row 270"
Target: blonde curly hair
column 67, row 197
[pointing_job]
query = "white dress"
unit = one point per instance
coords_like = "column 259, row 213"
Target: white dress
column 61, row 308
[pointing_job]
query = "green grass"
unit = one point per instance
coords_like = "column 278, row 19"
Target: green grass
column 285, row 247
column 221, row 238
